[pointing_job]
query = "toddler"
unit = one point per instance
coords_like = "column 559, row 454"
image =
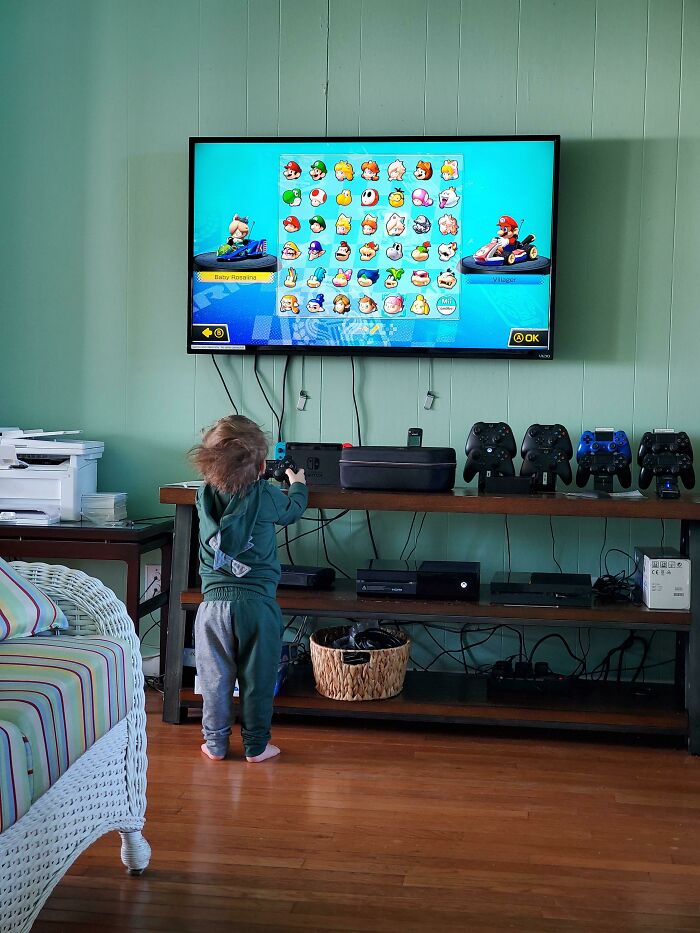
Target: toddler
column 238, row 629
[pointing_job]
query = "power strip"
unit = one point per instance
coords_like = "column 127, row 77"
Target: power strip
column 523, row 677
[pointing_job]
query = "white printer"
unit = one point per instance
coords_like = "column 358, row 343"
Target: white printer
column 43, row 476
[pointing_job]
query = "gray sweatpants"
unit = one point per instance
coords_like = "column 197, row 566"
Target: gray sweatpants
column 238, row 639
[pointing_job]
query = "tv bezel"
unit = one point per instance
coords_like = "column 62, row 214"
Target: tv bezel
column 418, row 352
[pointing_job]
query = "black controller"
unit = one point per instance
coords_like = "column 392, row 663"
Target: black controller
column 546, row 451
column 490, row 449
column 277, row 469
column 604, row 454
column 668, row 457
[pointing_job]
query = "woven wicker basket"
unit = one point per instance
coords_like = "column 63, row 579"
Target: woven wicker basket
column 343, row 674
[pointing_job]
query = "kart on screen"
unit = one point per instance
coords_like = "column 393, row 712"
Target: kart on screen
column 499, row 251
column 232, row 253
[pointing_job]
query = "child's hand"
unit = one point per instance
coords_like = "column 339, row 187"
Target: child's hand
column 298, row 477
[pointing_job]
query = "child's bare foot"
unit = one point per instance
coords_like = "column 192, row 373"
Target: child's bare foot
column 270, row 752
column 206, row 751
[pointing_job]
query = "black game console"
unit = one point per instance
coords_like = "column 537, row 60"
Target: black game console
column 666, row 456
column 320, row 462
column 449, row 579
column 546, row 451
column 307, row 578
column 432, row 579
column 490, row 449
column 542, row 589
column 387, row 578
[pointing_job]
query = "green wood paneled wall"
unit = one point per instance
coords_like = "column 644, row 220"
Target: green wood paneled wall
column 99, row 97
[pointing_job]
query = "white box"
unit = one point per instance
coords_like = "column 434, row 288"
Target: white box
column 664, row 576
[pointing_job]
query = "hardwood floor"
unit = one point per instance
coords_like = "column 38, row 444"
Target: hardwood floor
column 386, row 829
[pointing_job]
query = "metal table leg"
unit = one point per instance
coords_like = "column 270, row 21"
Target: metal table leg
column 179, row 581
column 690, row 546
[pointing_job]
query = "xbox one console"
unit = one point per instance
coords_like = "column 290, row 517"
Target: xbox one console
column 387, row 578
column 490, row 449
column 431, row 579
column 307, row 578
column 449, row 579
column 546, row 451
column 667, row 456
column 604, row 453
column 541, row 589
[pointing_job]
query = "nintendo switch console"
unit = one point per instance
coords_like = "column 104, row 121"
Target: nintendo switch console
column 320, row 462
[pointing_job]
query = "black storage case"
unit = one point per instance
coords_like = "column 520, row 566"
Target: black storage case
column 414, row 469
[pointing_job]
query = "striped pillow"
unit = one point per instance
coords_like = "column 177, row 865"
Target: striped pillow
column 25, row 610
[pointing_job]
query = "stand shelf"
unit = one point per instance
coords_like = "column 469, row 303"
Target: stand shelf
column 463, row 699
column 460, row 698
column 343, row 602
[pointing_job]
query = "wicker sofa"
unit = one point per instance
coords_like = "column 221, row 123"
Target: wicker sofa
column 104, row 789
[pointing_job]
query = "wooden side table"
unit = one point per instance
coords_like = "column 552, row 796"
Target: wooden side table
column 85, row 541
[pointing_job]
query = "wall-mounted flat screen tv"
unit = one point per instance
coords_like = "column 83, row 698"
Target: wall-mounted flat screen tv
column 416, row 246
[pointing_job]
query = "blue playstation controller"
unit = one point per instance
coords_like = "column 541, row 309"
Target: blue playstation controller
column 604, row 453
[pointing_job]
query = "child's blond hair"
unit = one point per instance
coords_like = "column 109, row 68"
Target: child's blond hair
column 231, row 454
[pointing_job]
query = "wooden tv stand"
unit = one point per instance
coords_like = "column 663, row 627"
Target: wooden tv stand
column 672, row 709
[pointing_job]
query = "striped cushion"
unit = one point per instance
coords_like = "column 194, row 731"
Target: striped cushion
column 63, row 694
column 15, row 788
column 25, row 610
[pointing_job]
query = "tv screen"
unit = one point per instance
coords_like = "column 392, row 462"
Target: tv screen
column 421, row 246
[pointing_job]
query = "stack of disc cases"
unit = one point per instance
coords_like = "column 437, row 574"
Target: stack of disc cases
column 102, row 508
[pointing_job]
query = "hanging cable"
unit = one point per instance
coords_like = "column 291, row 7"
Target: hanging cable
column 554, row 556
column 322, row 526
column 286, row 544
column 415, row 543
column 507, row 543
column 408, row 536
column 359, row 442
column 602, row 548
column 354, row 401
column 265, row 395
column 223, row 383
column 284, row 398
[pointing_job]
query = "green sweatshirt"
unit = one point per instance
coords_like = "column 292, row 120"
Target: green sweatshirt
column 242, row 530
